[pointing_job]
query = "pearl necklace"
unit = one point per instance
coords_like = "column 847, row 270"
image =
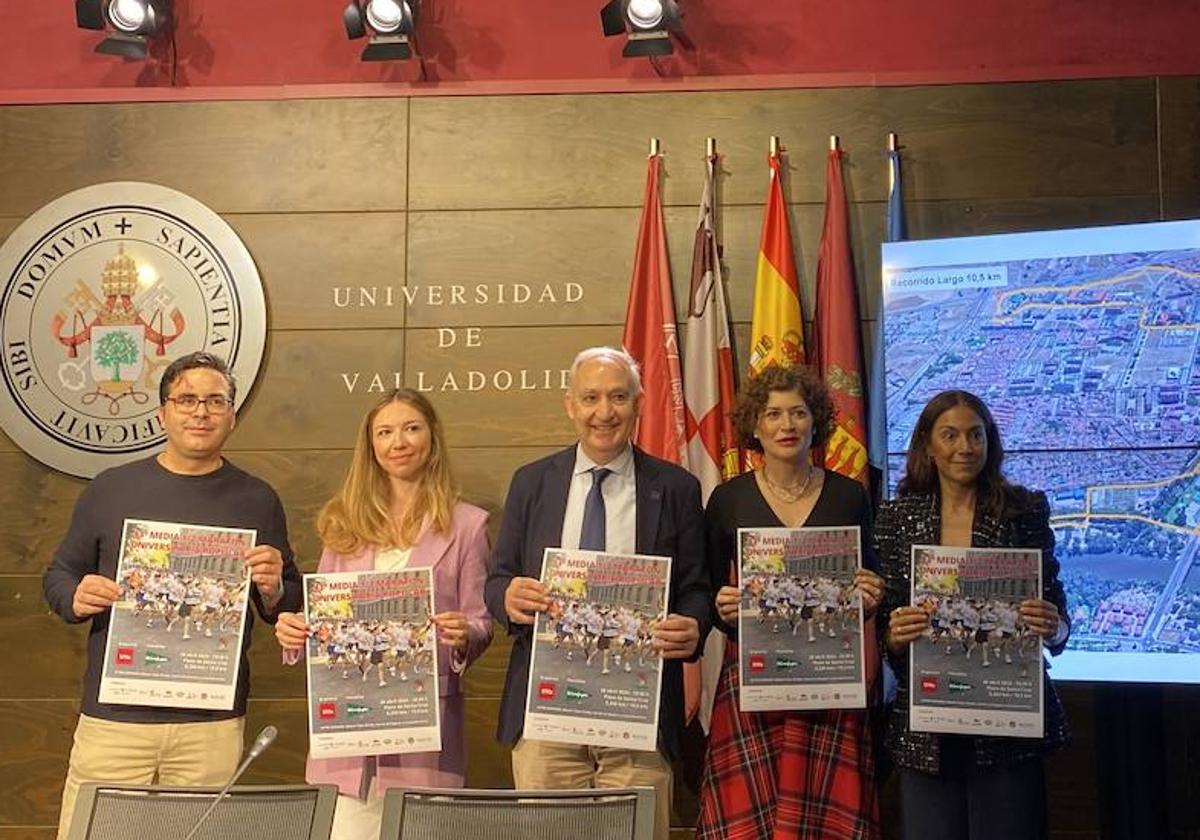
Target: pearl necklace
column 789, row 495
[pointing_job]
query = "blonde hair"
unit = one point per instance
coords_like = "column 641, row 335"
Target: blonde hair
column 360, row 513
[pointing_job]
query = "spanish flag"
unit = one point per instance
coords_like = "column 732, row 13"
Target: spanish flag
column 837, row 332
column 777, row 326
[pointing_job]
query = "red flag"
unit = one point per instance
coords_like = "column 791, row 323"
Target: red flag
column 838, row 332
column 650, row 335
column 708, row 356
column 837, row 342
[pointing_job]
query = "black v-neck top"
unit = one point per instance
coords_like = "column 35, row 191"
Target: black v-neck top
column 738, row 503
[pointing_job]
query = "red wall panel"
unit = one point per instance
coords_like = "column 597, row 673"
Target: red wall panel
column 231, row 47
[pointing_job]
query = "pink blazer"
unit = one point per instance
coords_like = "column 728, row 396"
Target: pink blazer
column 459, row 562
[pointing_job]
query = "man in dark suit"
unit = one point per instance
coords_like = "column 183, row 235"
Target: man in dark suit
column 648, row 507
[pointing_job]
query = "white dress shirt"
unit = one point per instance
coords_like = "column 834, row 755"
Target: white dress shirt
column 620, row 502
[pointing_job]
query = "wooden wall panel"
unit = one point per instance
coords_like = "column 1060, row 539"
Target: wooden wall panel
column 489, row 763
column 1004, row 141
column 308, row 261
column 519, row 374
column 300, row 400
column 534, row 190
column 35, row 508
column 284, row 763
column 233, row 156
column 51, row 653
column 490, row 252
column 485, row 677
column 35, row 741
column 305, row 480
column 1180, row 144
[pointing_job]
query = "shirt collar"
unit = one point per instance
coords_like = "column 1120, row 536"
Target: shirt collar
column 622, row 464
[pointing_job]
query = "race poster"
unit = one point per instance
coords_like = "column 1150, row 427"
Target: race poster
column 977, row 669
column 372, row 663
column 175, row 635
column 800, row 624
column 594, row 676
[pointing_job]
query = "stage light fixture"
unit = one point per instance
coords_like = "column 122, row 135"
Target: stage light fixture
column 391, row 24
column 648, row 25
column 134, row 23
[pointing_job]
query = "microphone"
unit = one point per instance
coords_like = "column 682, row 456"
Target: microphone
column 260, row 744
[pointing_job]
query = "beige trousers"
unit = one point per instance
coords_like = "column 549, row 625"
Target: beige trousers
column 169, row 754
column 544, row 765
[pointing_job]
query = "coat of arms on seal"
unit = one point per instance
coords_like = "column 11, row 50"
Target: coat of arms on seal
column 102, row 289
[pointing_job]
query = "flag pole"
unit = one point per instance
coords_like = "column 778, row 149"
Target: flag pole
column 775, row 147
column 833, row 142
column 893, row 144
column 655, row 147
column 710, row 147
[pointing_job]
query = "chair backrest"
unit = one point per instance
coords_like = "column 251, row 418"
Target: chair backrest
column 597, row 814
column 128, row 812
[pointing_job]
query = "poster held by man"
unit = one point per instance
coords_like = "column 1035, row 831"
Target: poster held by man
column 175, row 637
column 595, row 677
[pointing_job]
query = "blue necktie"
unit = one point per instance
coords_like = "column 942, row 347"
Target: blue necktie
column 592, row 536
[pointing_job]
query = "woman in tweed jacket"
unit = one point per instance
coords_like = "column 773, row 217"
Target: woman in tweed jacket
column 953, row 493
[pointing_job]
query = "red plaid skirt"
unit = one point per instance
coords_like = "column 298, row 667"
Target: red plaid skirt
column 786, row 775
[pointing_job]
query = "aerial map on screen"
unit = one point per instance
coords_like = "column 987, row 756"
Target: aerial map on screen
column 1086, row 346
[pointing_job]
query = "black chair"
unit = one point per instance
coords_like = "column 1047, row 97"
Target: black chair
column 128, row 812
column 593, row 814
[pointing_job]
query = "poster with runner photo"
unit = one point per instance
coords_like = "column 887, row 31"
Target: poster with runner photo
column 977, row 670
column 800, row 623
column 372, row 663
column 175, row 636
column 594, row 676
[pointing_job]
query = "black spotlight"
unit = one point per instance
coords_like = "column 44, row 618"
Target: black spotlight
column 133, row 23
column 647, row 23
column 391, row 24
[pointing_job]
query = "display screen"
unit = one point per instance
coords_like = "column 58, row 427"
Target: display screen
column 1085, row 344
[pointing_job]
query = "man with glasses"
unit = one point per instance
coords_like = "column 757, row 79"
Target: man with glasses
column 189, row 482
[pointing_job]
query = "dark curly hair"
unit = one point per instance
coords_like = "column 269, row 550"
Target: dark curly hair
column 755, row 391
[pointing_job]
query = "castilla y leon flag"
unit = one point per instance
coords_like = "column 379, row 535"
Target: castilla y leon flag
column 650, row 335
column 837, row 332
column 708, row 356
column 777, row 325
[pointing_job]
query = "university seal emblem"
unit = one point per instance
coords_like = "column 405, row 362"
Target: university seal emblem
column 102, row 289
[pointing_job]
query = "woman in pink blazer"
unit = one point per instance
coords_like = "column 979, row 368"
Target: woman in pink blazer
column 397, row 508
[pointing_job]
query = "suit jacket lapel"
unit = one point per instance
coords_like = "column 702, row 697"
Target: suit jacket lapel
column 648, row 488
column 556, row 484
column 429, row 548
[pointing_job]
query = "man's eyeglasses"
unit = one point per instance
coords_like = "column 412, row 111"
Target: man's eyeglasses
column 188, row 403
